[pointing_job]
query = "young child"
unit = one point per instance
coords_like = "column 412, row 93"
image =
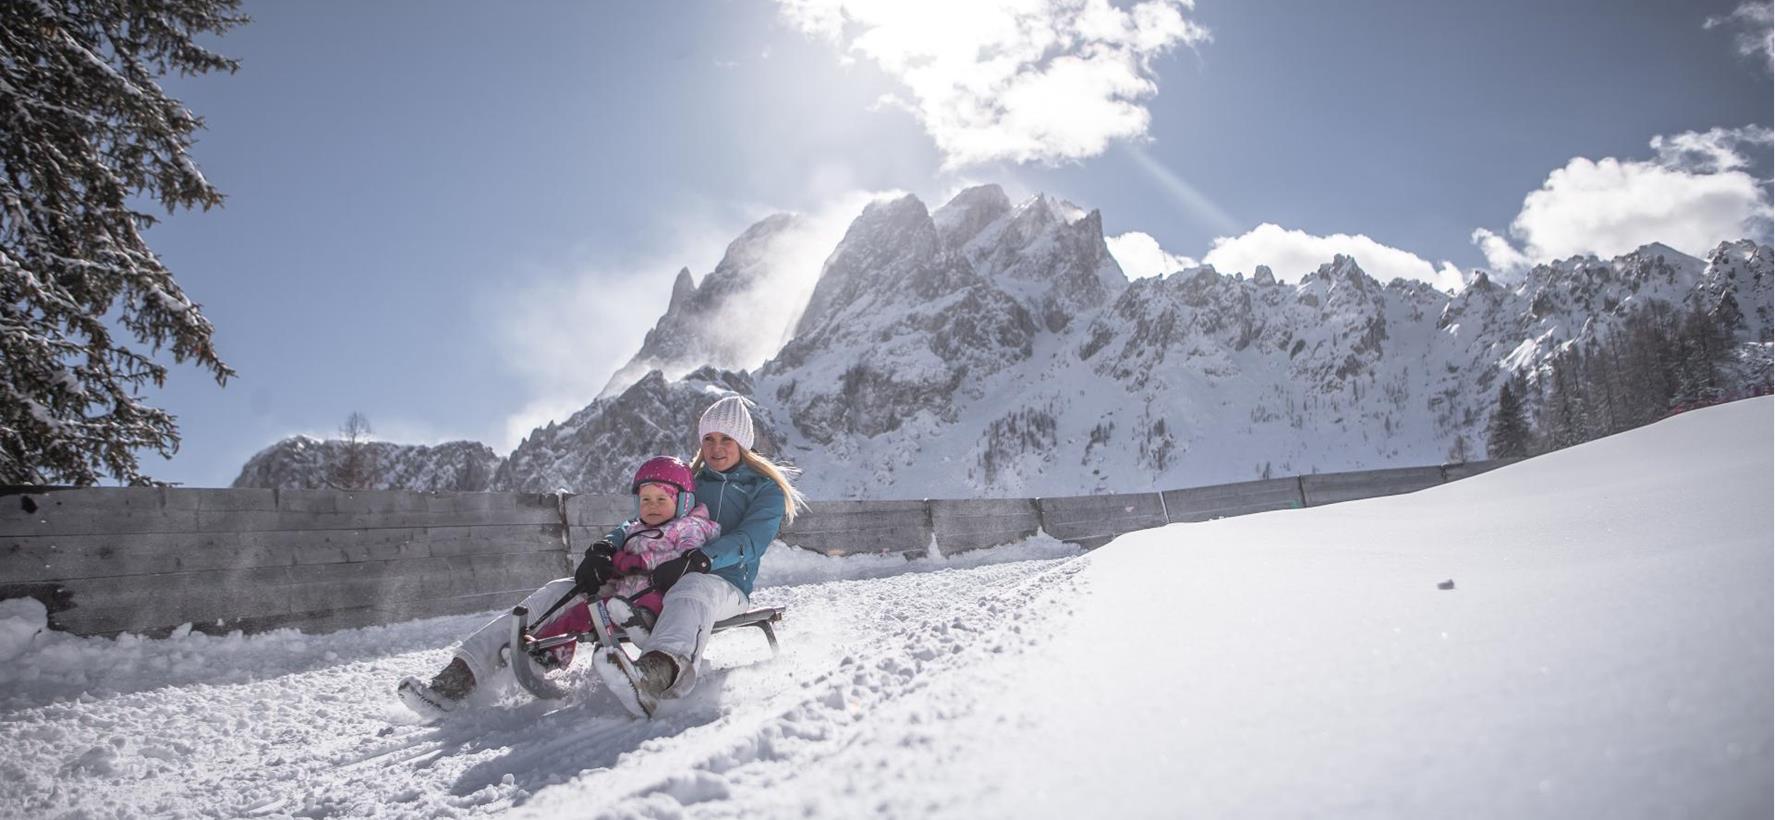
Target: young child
column 669, row 522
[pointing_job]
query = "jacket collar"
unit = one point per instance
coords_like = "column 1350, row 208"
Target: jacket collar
column 740, row 472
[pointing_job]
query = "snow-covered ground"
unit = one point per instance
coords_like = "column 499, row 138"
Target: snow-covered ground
column 1606, row 650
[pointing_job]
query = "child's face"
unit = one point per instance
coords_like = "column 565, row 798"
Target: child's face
column 657, row 505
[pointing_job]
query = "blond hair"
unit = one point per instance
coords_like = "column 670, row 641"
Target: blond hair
column 793, row 499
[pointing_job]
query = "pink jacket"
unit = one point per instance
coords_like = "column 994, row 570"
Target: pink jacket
column 657, row 545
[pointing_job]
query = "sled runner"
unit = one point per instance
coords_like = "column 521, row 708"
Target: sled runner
column 537, row 675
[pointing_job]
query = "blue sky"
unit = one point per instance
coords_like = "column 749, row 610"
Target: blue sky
column 460, row 218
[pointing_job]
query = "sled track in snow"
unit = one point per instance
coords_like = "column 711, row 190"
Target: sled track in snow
column 333, row 741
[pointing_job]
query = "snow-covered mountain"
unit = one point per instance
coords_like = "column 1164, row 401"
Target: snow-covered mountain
column 593, row 450
column 304, row 462
column 737, row 317
column 996, row 349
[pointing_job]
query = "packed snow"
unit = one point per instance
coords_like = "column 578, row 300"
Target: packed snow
column 1587, row 633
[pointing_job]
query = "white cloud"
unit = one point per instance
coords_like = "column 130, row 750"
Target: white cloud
column 1709, row 152
column 1140, row 256
column 1292, row 254
column 1018, row 80
column 1694, row 195
column 1755, row 22
column 564, row 334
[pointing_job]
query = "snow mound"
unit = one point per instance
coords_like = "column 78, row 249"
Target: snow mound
column 20, row 621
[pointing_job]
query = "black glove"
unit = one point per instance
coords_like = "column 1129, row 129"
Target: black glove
column 596, row 567
column 668, row 573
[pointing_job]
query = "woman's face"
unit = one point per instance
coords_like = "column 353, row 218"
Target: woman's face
column 657, row 505
column 720, row 452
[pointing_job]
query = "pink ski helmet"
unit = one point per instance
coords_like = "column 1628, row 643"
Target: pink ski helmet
column 671, row 472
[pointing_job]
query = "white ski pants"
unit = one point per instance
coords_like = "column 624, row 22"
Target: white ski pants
column 687, row 617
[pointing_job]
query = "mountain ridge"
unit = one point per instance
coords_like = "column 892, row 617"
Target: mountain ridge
column 994, row 349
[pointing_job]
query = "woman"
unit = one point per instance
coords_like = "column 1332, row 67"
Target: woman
column 750, row 497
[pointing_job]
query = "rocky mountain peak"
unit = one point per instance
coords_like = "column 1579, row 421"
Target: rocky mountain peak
column 970, row 212
column 720, row 322
column 683, row 288
column 885, row 248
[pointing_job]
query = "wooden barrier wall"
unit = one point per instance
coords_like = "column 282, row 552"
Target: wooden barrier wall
column 146, row 559
column 108, row 560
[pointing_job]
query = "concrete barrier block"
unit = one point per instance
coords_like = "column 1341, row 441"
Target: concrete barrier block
column 1220, row 501
column 966, row 524
column 1331, row 488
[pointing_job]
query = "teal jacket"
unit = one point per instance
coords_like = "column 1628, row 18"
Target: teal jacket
column 749, row 508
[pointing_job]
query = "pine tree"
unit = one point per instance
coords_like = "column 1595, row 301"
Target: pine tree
column 1706, row 345
column 1507, row 435
column 85, row 133
column 354, row 463
column 1564, row 414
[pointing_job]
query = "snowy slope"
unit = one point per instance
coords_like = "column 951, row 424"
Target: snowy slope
column 1605, row 651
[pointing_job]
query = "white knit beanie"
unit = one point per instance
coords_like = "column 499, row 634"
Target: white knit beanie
column 729, row 417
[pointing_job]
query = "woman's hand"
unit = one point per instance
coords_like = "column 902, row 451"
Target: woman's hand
column 668, row 573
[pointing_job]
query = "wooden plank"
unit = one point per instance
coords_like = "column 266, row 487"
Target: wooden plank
column 65, row 519
column 1456, row 472
column 105, row 520
column 966, row 524
column 474, row 540
column 1083, row 519
column 599, row 510
column 97, row 613
column 851, row 527
column 89, row 556
column 260, row 520
column 393, row 587
column 1224, row 500
column 101, row 605
column 183, row 498
column 98, row 556
column 1331, row 488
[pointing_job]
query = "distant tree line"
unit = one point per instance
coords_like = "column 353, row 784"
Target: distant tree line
column 1658, row 360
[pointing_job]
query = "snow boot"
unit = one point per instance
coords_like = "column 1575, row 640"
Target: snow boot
column 640, row 683
column 447, row 690
column 636, row 622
